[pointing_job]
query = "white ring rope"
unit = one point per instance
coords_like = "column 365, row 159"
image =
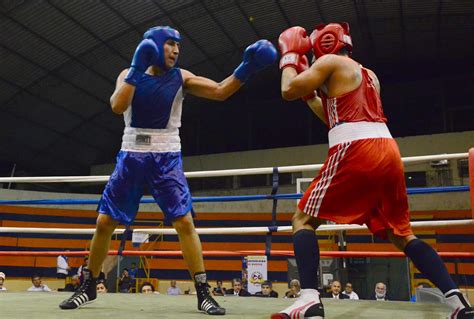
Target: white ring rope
column 229, row 230
column 217, row 173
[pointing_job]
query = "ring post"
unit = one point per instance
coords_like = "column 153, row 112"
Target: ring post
column 275, row 183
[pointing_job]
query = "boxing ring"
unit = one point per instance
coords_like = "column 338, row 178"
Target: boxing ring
column 129, row 305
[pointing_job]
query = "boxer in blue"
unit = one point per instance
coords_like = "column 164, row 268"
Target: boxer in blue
column 149, row 95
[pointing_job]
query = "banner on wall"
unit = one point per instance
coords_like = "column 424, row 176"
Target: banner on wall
column 256, row 272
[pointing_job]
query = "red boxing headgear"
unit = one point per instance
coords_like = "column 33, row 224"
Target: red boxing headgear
column 330, row 38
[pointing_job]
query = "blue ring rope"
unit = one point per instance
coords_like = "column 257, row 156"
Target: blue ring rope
column 410, row 191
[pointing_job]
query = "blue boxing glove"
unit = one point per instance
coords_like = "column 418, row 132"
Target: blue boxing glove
column 257, row 56
column 146, row 54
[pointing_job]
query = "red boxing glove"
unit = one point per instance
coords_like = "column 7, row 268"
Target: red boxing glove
column 293, row 44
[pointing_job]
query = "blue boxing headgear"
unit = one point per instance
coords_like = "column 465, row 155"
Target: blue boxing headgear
column 160, row 35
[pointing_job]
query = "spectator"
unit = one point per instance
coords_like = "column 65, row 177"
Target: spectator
column 350, row 292
column 219, row 290
column 75, row 283
column 38, row 285
column 2, row 280
column 173, row 290
column 267, row 290
column 336, row 291
column 125, row 282
column 148, row 288
column 295, row 289
column 133, row 271
column 101, row 288
column 380, row 292
column 84, row 264
column 62, row 266
column 237, row 289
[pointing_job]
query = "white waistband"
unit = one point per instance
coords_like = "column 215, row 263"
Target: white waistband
column 151, row 140
column 353, row 131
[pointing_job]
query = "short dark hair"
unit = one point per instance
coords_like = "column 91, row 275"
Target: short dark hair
column 147, row 283
column 35, row 276
column 236, row 280
column 267, row 283
column 101, row 281
column 343, row 51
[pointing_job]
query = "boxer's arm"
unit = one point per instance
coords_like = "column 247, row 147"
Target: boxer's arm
column 123, row 94
column 295, row 86
column 209, row 89
column 316, row 105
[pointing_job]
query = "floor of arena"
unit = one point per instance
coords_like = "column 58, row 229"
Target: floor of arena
column 45, row 306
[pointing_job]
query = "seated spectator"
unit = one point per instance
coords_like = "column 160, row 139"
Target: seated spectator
column 173, row 290
column 62, row 266
column 295, row 289
column 237, row 289
column 133, row 271
column 75, row 283
column 267, row 290
column 336, row 291
column 148, row 288
column 349, row 292
column 2, row 280
column 218, row 290
column 125, row 281
column 380, row 292
column 38, row 285
column 101, row 287
column 84, row 264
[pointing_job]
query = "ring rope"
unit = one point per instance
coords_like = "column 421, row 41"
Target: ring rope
column 219, row 173
column 219, row 253
column 230, row 230
column 204, row 199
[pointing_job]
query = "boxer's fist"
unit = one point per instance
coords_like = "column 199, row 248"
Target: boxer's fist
column 294, row 44
column 257, row 56
column 145, row 55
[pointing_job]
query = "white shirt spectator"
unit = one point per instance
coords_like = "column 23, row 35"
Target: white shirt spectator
column 38, row 285
column 42, row 288
column 174, row 291
column 62, row 266
column 2, row 280
column 352, row 295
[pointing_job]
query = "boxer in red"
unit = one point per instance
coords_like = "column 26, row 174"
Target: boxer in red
column 362, row 180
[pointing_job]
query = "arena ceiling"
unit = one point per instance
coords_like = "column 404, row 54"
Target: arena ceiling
column 60, row 59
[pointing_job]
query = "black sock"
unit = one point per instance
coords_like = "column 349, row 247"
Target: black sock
column 430, row 264
column 306, row 249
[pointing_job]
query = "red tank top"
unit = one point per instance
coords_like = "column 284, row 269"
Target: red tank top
column 361, row 104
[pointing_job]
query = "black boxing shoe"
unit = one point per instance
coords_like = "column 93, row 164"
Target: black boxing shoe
column 210, row 306
column 206, row 303
column 85, row 294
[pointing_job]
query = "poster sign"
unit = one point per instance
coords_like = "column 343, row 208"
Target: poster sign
column 256, row 272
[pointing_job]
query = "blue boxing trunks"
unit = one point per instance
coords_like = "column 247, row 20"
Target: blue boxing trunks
column 162, row 172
